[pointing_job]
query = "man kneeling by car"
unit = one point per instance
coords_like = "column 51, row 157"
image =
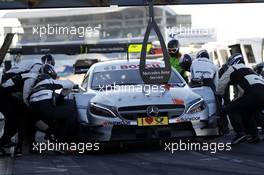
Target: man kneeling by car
column 251, row 86
column 50, row 107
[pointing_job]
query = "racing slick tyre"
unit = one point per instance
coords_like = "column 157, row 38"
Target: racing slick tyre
column 2, row 121
column 3, row 151
column 2, row 124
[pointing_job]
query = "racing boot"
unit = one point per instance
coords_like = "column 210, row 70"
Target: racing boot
column 18, row 150
column 5, row 147
column 50, row 136
column 239, row 139
column 253, row 139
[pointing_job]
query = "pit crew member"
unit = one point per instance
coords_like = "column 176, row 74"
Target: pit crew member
column 175, row 57
column 203, row 68
column 26, row 66
column 12, row 105
column 46, row 105
column 251, row 88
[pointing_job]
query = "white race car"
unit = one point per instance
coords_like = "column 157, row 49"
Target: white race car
column 115, row 105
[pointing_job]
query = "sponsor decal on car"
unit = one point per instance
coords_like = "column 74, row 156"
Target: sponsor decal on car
column 134, row 66
column 180, row 120
column 136, row 48
column 177, row 101
column 108, row 123
column 107, row 68
column 125, row 67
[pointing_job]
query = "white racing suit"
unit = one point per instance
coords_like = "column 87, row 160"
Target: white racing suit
column 204, row 69
column 50, row 107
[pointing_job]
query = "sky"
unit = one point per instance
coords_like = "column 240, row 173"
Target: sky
column 230, row 20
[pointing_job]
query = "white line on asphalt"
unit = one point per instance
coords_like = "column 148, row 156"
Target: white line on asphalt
column 50, row 170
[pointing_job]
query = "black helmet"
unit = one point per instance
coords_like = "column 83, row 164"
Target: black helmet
column 259, row 68
column 49, row 70
column 173, row 47
column 186, row 62
column 236, row 58
column 203, row 54
column 48, row 59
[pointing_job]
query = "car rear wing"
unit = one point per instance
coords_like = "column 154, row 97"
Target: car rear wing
column 76, row 49
column 81, row 66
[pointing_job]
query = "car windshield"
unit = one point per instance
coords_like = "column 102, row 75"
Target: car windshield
column 124, row 77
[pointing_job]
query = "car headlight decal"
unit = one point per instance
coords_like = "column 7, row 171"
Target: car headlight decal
column 196, row 106
column 102, row 110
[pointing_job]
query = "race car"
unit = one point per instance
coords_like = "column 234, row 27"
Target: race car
column 115, row 105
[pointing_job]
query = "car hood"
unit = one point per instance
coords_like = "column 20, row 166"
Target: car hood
column 167, row 96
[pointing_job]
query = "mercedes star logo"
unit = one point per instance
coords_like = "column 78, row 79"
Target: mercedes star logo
column 152, row 111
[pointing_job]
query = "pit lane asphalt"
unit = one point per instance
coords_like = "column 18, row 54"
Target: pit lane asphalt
column 142, row 159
